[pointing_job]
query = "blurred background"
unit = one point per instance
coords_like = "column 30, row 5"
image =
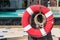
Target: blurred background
column 11, row 11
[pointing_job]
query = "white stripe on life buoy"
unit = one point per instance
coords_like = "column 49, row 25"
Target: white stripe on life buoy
column 48, row 14
column 29, row 10
column 27, row 27
column 43, row 32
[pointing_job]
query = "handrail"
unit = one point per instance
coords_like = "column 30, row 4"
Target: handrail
column 10, row 26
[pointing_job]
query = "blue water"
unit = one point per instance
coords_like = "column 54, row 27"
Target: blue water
column 11, row 14
column 56, row 14
column 15, row 14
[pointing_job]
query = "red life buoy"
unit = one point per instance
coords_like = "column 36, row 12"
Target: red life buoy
column 26, row 21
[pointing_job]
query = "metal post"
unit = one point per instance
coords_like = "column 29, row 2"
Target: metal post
column 47, row 37
column 57, row 3
column 59, row 38
column 31, row 38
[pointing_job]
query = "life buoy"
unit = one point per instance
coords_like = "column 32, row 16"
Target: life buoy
column 26, row 21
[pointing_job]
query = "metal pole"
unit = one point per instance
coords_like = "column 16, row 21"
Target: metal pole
column 31, row 38
column 47, row 37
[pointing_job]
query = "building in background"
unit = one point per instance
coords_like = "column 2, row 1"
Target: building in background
column 50, row 3
column 53, row 3
column 32, row 2
column 42, row 2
